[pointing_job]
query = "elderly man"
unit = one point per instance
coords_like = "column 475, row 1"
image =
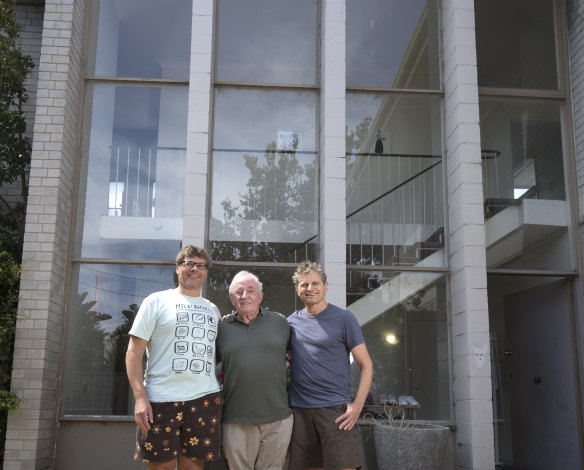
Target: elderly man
column 251, row 345
column 322, row 336
column 178, row 406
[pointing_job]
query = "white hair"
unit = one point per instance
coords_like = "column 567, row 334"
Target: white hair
column 242, row 274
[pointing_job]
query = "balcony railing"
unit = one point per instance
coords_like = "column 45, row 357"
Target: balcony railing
column 146, row 181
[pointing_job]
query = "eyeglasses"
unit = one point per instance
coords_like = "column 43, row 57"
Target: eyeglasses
column 192, row 265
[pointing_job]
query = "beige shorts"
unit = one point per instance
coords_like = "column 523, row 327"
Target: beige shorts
column 257, row 445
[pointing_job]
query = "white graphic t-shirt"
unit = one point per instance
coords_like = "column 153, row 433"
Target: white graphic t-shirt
column 181, row 332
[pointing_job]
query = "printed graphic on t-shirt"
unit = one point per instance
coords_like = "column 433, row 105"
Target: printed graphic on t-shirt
column 195, row 333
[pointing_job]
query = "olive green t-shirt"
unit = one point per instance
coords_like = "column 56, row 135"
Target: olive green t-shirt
column 254, row 368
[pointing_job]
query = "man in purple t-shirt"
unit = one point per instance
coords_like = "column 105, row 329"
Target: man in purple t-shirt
column 322, row 336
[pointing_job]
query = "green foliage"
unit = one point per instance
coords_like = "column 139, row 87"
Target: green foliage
column 15, row 150
column 356, row 140
column 281, row 188
column 115, row 354
column 15, row 147
column 86, row 337
column 9, row 278
column 115, row 349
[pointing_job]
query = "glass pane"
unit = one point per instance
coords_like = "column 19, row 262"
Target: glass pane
column 142, row 38
column 102, row 310
column 404, row 320
column 279, row 293
column 133, row 172
column 526, row 211
column 266, row 41
column 532, row 358
column 393, row 44
column 265, row 170
column 516, row 45
column 395, row 203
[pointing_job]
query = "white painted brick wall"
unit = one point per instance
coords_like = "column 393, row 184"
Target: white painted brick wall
column 197, row 178
column 472, row 385
column 30, row 430
column 332, row 239
column 575, row 18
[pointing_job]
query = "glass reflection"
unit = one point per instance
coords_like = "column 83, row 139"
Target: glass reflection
column 279, row 293
column 142, row 38
column 393, row 44
column 526, row 211
column 133, row 172
column 102, row 310
column 264, row 183
column 404, row 321
column 516, row 45
column 395, row 208
column 262, row 41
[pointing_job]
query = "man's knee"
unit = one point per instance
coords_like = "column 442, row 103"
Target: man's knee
column 170, row 465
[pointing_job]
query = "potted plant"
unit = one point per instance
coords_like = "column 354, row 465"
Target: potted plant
column 404, row 445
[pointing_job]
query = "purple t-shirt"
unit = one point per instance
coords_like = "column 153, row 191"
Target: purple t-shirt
column 321, row 371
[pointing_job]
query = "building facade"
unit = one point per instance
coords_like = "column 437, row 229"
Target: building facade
column 430, row 153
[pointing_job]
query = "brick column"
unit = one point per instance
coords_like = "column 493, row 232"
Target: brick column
column 575, row 17
column 470, row 318
column 332, row 223
column 31, row 428
column 197, row 179
column 575, row 20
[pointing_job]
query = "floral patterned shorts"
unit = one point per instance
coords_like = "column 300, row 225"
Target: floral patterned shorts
column 188, row 428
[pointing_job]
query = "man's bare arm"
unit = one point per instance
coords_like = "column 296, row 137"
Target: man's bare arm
column 142, row 410
column 350, row 417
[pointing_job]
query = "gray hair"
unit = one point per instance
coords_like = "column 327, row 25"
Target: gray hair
column 307, row 266
column 242, row 274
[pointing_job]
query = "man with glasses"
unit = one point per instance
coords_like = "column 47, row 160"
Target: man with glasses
column 178, row 406
column 257, row 421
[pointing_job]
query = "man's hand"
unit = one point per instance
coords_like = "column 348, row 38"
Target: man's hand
column 349, row 417
column 228, row 315
column 143, row 414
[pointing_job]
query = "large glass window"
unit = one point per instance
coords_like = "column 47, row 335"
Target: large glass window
column 516, row 45
column 134, row 163
column 404, row 319
column 395, row 200
column 528, row 227
column 395, row 208
column 141, row 38
column 526, row 211
column 393, row 44
column 131, row 190
column 278, row 289
column 264, row 182
column 103, row 305
column 267, row 41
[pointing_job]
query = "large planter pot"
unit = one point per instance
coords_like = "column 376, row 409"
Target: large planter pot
column 411, row 447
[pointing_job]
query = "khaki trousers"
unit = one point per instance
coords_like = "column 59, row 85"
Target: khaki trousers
column 257, row 446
